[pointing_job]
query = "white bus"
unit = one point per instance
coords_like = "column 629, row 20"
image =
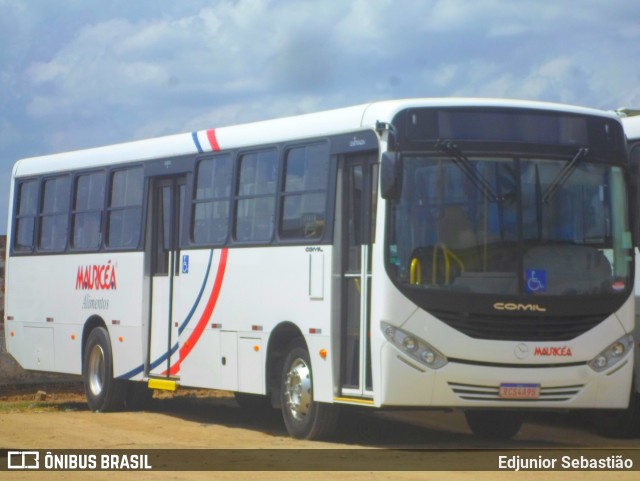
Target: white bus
column 470, row 254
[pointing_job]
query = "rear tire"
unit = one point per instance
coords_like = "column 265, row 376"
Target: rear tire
column 494, row 425
column 104, row 393
column 304, row 418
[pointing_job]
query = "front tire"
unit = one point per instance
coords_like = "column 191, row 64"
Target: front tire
column 304, row 418
column 103, row 392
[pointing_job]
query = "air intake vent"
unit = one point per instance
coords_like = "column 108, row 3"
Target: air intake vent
column 471, row 392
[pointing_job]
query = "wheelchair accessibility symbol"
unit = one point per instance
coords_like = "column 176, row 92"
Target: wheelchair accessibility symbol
column 535, row 280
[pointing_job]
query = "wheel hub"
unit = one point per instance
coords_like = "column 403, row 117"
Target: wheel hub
column 298, row 389
column 96, row 370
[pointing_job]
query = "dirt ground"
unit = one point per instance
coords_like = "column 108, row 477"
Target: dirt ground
column 212, row 420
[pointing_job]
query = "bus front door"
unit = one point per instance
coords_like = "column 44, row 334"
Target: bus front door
column 359, row 193
column 167, row 198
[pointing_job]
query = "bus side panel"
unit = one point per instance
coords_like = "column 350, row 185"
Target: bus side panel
column 260, row 289
column 51, row 297
column 194, row 299
column 127, row 315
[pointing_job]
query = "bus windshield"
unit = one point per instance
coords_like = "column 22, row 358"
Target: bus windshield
column 499, row 224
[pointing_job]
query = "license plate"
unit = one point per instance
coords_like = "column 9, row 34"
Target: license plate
column 519, row 391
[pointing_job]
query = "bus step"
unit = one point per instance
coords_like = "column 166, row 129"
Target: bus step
column 163, row 384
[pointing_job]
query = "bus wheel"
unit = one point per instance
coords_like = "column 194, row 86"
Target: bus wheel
column 104, row 393
column 494, row 425
column 304, row 418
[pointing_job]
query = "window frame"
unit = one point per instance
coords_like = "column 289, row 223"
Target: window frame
column 74, row 211
column 284, row 194
column 42, row 215
column 109, row 209
column 214, row 199
column 17, row 217
column 238, row 197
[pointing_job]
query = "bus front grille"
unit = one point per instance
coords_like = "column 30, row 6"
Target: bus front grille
column 511, row 328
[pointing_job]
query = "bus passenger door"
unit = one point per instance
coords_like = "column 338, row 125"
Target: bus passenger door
column 167, row 198
column 359, row 193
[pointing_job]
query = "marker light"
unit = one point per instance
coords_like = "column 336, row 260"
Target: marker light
column 612, row 354
column 414, row 347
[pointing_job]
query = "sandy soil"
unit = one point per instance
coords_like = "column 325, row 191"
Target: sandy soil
column 212, row 420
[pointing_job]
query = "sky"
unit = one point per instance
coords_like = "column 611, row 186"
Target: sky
column 85, row 73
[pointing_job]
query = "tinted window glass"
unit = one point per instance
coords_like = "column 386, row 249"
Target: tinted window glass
column 125, row 208
column 211, row 203
column 87, row 214
column 27, row 209
column 256, row 196
column 54, row 216
column 304, row 200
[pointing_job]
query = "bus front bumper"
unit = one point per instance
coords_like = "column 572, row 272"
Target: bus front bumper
column 406, row 382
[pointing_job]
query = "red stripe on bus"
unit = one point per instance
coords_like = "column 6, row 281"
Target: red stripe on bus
column 190, row 343
column 211, row 135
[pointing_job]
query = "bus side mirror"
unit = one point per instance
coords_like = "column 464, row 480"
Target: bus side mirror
column 391, row 176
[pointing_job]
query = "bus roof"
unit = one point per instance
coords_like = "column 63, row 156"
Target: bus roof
column 632, row 127
column 330, row 122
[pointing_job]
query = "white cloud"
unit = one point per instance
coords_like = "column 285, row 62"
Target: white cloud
column 250, row 59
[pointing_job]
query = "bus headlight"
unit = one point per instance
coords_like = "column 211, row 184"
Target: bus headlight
column 414, row 347
column 612, row 354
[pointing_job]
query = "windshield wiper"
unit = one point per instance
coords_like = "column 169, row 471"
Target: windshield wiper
column 564, row 174
column 465, row 165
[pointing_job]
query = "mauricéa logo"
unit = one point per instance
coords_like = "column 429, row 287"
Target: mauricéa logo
column 96, row 277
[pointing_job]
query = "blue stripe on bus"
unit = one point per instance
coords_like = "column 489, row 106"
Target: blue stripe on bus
column 155, row 364
column 195, row 305
column 174, row 348
column 133, row 372
column 197, row 142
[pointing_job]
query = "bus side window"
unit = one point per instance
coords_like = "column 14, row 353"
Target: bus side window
column 87, row 211
column 211, row 203
column 304, row 198
column 54, row 214
column 255, row 198
column 124, row 213
column 26, row 212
